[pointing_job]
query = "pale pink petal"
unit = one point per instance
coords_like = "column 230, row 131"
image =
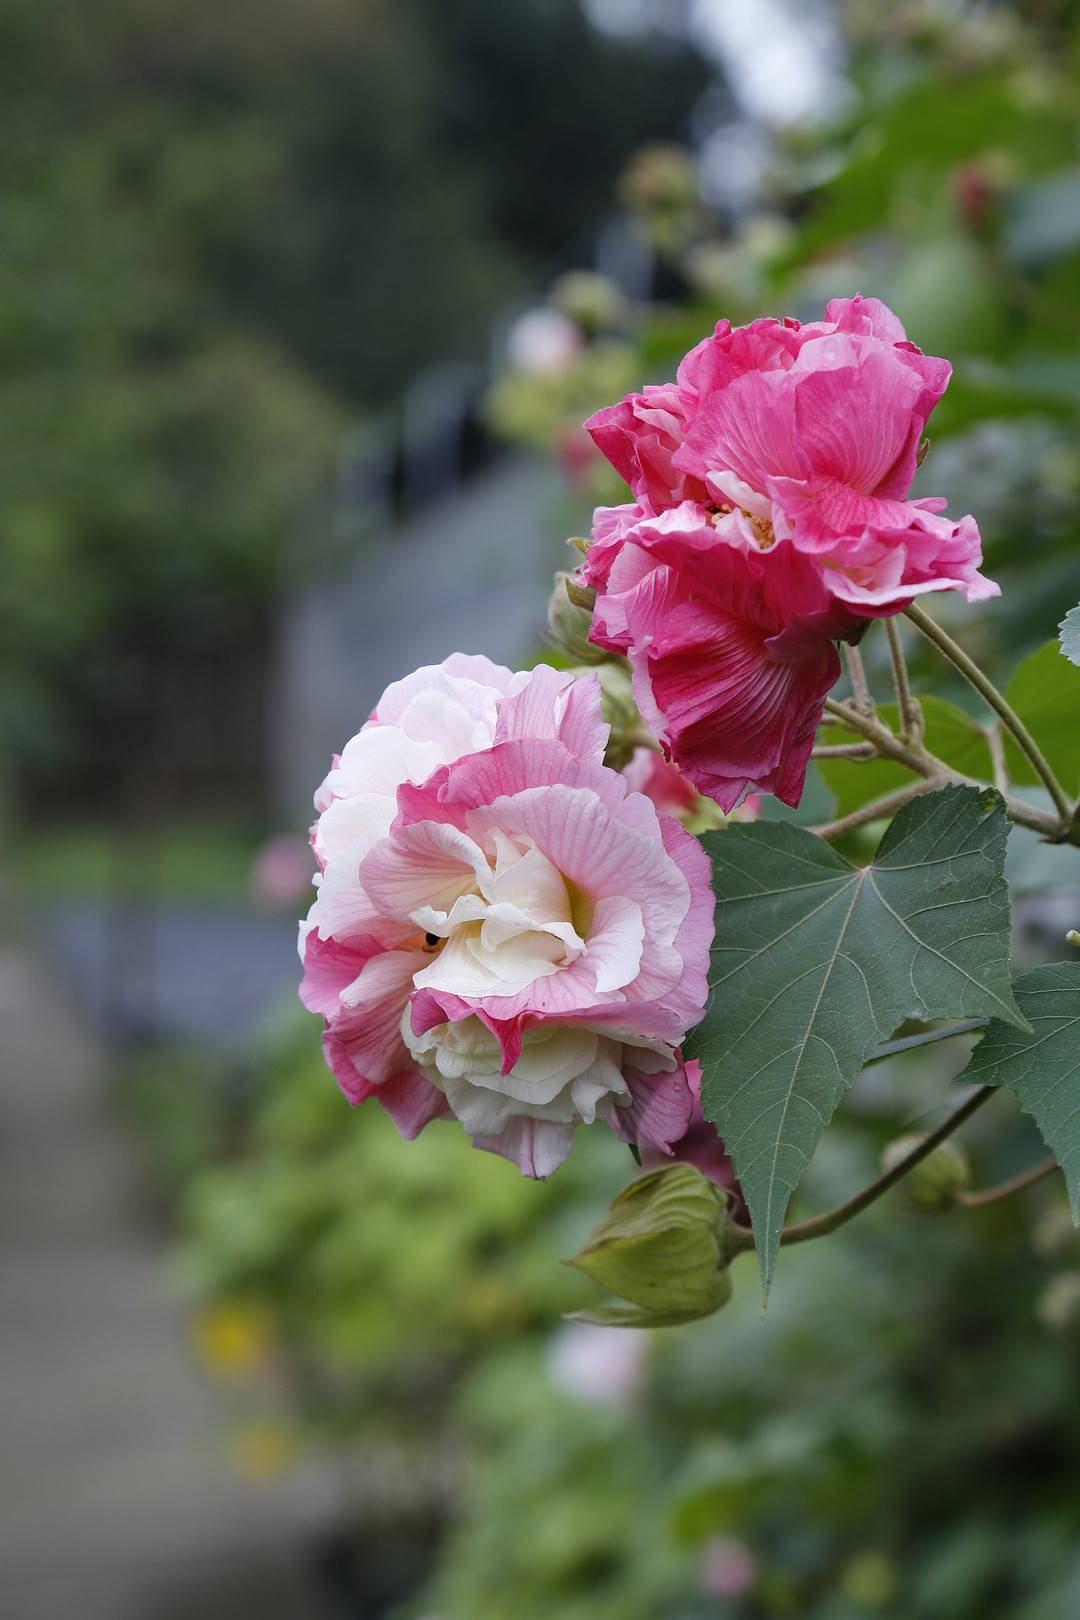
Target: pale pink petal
column 556, row 704
column 425, row 864
column 537, row 1146
column 369, row 1027
column 660, row 1111
column 412, row 1102
column 616, row 937
column 376, row 760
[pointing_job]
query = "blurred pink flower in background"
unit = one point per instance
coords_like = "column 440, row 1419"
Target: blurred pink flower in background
column 577, row 455
column 650, row 773
column 543, row 342
column 602, row 1366
column 281, row 871
column 728, row 1567
column 504, row 934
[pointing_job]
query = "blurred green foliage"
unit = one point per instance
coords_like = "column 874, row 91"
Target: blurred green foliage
column 897, row 1436
column 220, row 225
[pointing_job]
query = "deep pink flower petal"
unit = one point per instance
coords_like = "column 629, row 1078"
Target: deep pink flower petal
column 368, row 1026
column 409, row 1097
column 329, row 967
column 812, row 431
column 660, row 1111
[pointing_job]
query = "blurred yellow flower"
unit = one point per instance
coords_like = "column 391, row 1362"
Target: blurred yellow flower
column 231, row 1338
column 261, row 1449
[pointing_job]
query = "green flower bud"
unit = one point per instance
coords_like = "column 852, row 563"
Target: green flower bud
column 590, row 299
column 936, row 1180
column 1054, row 1232
column 660, row 175
column 1059, row 1303
column 662, row 1246
column 568, row 624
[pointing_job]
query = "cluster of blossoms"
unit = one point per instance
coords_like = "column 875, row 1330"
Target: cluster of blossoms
column 770, row 519
column 504, row 932
column 509, row 933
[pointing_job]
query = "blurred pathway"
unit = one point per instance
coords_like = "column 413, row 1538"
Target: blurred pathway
column 115, row 1500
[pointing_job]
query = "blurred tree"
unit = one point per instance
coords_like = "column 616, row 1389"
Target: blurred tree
column 227, row 228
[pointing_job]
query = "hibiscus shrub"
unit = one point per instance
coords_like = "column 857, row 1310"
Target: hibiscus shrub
column 512, row 933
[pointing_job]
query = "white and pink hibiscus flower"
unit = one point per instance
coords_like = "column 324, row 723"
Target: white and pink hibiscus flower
column 771, row 518
column 504, row 934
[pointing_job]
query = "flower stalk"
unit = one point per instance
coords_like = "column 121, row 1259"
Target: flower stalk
column 860, row 687
column 911, row 716
column 936, row 773
column 1007, row 1189
column 1005, row 712
column 830, row 1220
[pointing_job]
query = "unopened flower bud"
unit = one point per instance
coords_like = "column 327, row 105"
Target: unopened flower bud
column 662, row 1246
column 1054, row 1232
column 569, row 623
column 1073, row 938
column 590, row 299
column 933, row 1184
column 1059, row 1303
column 660, row 175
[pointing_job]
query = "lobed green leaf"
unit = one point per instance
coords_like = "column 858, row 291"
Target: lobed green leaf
column 816, row 961
column 1041, row 1066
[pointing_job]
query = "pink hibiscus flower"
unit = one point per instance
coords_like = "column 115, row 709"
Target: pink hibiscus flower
column 809, row 434
column 504, row 934
column 731, row 646
column 771, row 519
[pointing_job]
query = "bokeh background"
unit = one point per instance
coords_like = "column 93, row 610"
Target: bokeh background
column 302, row 303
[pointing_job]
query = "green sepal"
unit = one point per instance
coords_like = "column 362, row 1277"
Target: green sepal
column 662, row 1246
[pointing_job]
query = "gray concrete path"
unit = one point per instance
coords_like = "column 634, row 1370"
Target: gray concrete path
column 116, row 1502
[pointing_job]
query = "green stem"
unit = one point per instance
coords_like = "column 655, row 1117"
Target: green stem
column 1006, row 1189
column 926, row 1037
column 855, row 750
column 877, row 810
column 831, row 1219
column 915, row 757
column 996, row 744
column 860, row 686
column 1008, row 716
column 911, row 720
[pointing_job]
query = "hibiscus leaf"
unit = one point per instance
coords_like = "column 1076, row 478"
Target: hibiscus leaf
column 816, row 961
column 951, row 734
column 1045, row 692
column 1069, row 630
column 1042, row 1068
